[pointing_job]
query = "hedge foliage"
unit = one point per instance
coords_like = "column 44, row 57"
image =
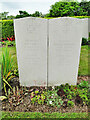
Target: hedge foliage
column 80, row 17
column 7, row 28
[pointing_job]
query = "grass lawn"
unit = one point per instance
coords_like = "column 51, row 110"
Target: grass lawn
column 83, row 65
column 43, row 115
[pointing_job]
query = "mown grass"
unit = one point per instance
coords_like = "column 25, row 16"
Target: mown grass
column 43, row 115
column 83, row 65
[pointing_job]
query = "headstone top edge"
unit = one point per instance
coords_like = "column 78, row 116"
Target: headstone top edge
column 51, row 19
column 71, row 18
column 85, row 19
column 25, row 18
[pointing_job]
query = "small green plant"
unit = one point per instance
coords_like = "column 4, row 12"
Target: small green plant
column 3, row 42
column 84, row 84
column 67, row 86
column 37, row 97
column 85, row 99
column 83, row 93
column 53, row 99
column 70, row 103
column 14, row 72
column 79, row 92
column 69, row 97
column 78, row 100
column 36, row 91
column 15, row 96
column 10, row 43
column 62, row 86
column 84, row 41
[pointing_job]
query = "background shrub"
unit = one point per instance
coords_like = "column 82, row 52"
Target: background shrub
column 81, row 17
column 89, row 39
column 84, row 41
column 7, row 28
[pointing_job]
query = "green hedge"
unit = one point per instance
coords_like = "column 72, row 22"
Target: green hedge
column 7, row 28
column 80, row 17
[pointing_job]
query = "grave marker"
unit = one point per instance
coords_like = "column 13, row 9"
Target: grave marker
column 31, row 44
column 48, row 51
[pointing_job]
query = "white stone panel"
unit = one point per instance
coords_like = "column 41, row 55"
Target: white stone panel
column 65, row 35
column 31, row 44
column 85, row 28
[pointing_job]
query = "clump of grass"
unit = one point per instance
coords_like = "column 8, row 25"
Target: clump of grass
column 7, row 65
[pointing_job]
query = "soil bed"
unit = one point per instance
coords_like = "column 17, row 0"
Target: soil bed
column 26, row 106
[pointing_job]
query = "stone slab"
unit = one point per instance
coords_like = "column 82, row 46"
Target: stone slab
column 85, row 29
column 31, row 44
column 65, row 35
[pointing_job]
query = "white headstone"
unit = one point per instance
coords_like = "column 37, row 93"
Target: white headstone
column 48, row 51
column 65, row 35
column 85, row 28
column 31, row 44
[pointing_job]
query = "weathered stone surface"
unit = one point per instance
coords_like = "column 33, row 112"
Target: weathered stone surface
column 65, row 35
column 85, row 29
column 31, row 44
column 48, row 50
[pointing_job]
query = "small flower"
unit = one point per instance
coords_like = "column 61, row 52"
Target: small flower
column 31, row 96
column 52, row 87
column 50, row 102
column 36, row 92
column 3, row 41
column 75, row 88
column 52, row 95
column 10, row 39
